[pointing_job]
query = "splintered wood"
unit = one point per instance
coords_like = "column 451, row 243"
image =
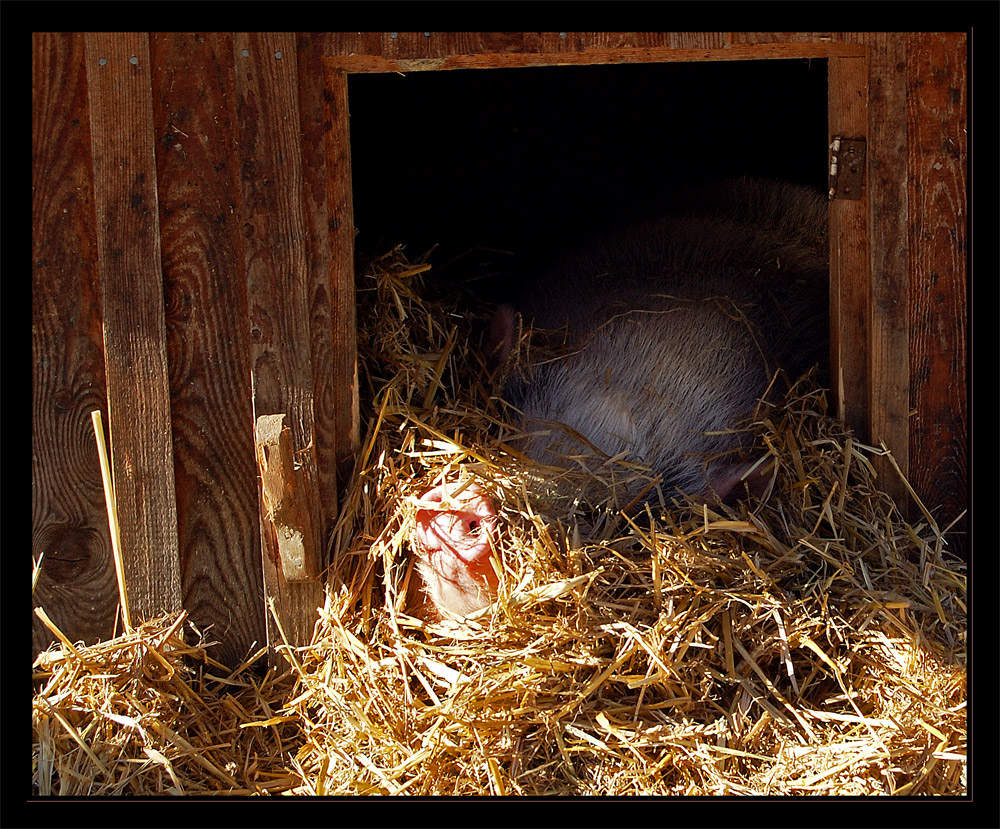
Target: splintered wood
column 810, row 643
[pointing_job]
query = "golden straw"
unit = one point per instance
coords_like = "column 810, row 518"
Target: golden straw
column 109, row 499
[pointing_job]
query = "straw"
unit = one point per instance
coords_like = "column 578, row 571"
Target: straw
column 109, row 501
column 809, row 643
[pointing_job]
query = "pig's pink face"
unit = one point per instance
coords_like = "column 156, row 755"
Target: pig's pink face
column 455, row 538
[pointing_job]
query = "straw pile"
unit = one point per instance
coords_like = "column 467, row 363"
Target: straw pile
column 147, row 713
column 811, row 643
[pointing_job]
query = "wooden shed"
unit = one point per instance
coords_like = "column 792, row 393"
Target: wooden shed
column 193, row 271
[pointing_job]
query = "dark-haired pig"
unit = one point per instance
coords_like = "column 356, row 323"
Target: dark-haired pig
column 668, row 334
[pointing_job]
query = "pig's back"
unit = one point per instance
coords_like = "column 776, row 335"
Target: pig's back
column 761, row 244
column 671, row 330
column 642, row 388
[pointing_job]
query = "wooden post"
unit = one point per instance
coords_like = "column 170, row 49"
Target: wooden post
column 850, row 275
column 208, row 327
column 278, row 295
column 937, row 201
column 135, row 347
column 888, row 211
column 68, row 519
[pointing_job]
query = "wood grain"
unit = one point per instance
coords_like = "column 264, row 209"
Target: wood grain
column 341, row 244
column 278, row 285
column 605, row 51
column 936, row 96
column 329, row 338
column 128, row 244
column 850, row 266
column 208, row 324
column 888, row 379
column 69, row 525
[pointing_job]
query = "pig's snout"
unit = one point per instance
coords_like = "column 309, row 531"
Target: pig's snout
column 455, row 536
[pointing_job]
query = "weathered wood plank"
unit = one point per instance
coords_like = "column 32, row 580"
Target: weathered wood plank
column 850, row 272
column 194, row 112
column 888, row 379
column 69, row 524
column 936, row 120
column 434, row 46
column 278, row 285
column 341, row 244
column 328, row 336
column 128, row 243
column 603, row 54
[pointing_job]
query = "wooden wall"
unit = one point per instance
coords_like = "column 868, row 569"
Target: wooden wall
column 937, row 185
column 192, row 240
column 182, row 285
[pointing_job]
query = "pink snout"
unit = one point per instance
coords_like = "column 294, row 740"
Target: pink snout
column 453, row 535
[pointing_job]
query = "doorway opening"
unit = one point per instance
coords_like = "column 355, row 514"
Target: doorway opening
column 519, row 165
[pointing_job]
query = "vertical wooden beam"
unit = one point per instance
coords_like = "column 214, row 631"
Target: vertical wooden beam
column 341, row 243
column 328, row 340
column 128, row 245
column 208, row 337
column 69, row 525
column 889, row 359
column 850, row 272
column 278, row 290
column 937, row 92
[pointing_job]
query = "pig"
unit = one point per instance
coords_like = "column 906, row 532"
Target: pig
column 669, row 334
column 454, row 538
column 666, row 335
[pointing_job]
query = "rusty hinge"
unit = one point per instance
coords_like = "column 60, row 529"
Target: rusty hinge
column 847, row 167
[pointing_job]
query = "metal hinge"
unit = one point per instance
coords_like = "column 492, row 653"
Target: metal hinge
column 847, row 167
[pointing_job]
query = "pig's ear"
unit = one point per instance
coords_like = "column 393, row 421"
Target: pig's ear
column 728, row 483
column 500, row 337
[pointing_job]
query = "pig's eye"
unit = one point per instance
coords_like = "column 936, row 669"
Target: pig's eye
column 473, row 526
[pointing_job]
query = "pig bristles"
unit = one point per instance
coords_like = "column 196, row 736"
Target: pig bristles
column 812, row 644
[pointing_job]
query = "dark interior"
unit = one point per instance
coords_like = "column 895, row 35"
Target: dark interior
column 503, row 168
